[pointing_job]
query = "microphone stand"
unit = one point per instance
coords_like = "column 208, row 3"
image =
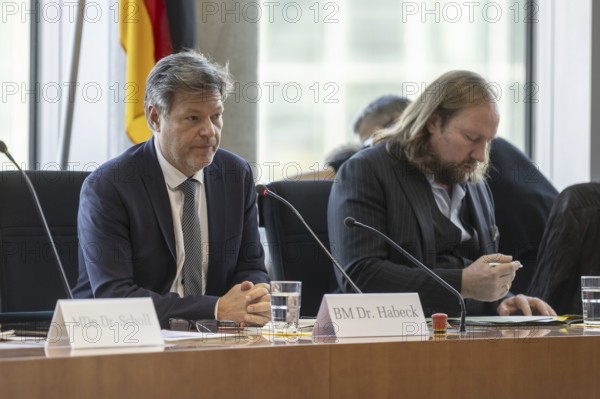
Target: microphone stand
column 40, row 212
column 262, row 190
column 351, row 222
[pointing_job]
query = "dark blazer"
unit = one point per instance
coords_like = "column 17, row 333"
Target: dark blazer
column 523, row 198
column 126, row 238
column 392, row 196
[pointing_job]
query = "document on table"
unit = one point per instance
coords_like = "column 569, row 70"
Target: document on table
column 515, row 320
column 175, row 336
column 249, row 333
column 6, row 334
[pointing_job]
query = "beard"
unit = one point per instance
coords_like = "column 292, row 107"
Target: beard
column 450, row 173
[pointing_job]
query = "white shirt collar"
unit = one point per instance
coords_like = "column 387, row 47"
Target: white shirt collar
column 173, row 177
column 461, row 188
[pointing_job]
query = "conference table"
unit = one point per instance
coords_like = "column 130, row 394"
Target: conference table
column 486, row 362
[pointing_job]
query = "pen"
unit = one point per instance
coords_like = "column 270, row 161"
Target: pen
column 291, row 335
column 494, row 264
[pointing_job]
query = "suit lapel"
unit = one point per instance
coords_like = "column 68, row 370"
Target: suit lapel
column 485, row 232
column 154, row 182
column 418, row 191
column 216, row 203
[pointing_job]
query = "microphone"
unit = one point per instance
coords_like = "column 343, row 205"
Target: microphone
column 351, row 222
column 61, row 270
column 265, row 192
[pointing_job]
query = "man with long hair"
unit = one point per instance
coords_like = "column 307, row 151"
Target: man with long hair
column 423, row 185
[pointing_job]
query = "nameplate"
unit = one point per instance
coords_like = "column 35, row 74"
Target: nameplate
column 104, row 323
column 370, row 315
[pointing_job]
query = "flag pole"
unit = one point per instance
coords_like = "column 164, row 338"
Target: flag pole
column 64, row 142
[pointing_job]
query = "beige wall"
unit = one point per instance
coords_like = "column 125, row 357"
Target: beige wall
column 226, row 34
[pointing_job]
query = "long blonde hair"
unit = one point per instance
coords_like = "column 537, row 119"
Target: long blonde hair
column 448, row 94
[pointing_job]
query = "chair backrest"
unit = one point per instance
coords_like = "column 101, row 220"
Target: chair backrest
column 29, row 279
column 295, row 254
column 569, row 248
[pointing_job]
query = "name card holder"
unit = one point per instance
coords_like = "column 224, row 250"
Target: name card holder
column 370, row 315
column 104, row 323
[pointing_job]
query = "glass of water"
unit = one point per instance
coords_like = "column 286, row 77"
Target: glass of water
column 590, row 298
column 285, row 303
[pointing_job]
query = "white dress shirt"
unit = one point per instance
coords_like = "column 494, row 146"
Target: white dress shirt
column 174, row 178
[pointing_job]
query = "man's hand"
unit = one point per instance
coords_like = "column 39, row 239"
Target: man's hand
column 489, row 283
column 246, row 303
column 525, row 305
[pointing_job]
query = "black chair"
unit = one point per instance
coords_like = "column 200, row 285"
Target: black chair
column 295, row 254
column 570, row 248
column 29, row 278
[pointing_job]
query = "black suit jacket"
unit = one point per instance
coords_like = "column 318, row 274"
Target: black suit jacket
column 127, row 242
column 523, row 198
column 392, row 196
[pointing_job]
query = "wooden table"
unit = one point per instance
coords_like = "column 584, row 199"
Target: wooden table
column 523, row 363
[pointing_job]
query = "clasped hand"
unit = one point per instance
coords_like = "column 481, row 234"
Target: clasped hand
column 247, row 303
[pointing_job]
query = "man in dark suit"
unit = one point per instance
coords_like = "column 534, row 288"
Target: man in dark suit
column 523, row 198
column 423, row 186
column 175, row 218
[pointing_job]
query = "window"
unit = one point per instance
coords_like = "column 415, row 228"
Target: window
column 15, row 89
column 322, row 62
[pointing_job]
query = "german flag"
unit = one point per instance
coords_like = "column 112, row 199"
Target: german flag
column 150, row 30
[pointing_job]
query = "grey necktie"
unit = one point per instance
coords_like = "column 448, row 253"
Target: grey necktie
column 192, row 243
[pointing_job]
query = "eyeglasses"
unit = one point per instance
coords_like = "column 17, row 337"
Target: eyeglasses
column 204, row 326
